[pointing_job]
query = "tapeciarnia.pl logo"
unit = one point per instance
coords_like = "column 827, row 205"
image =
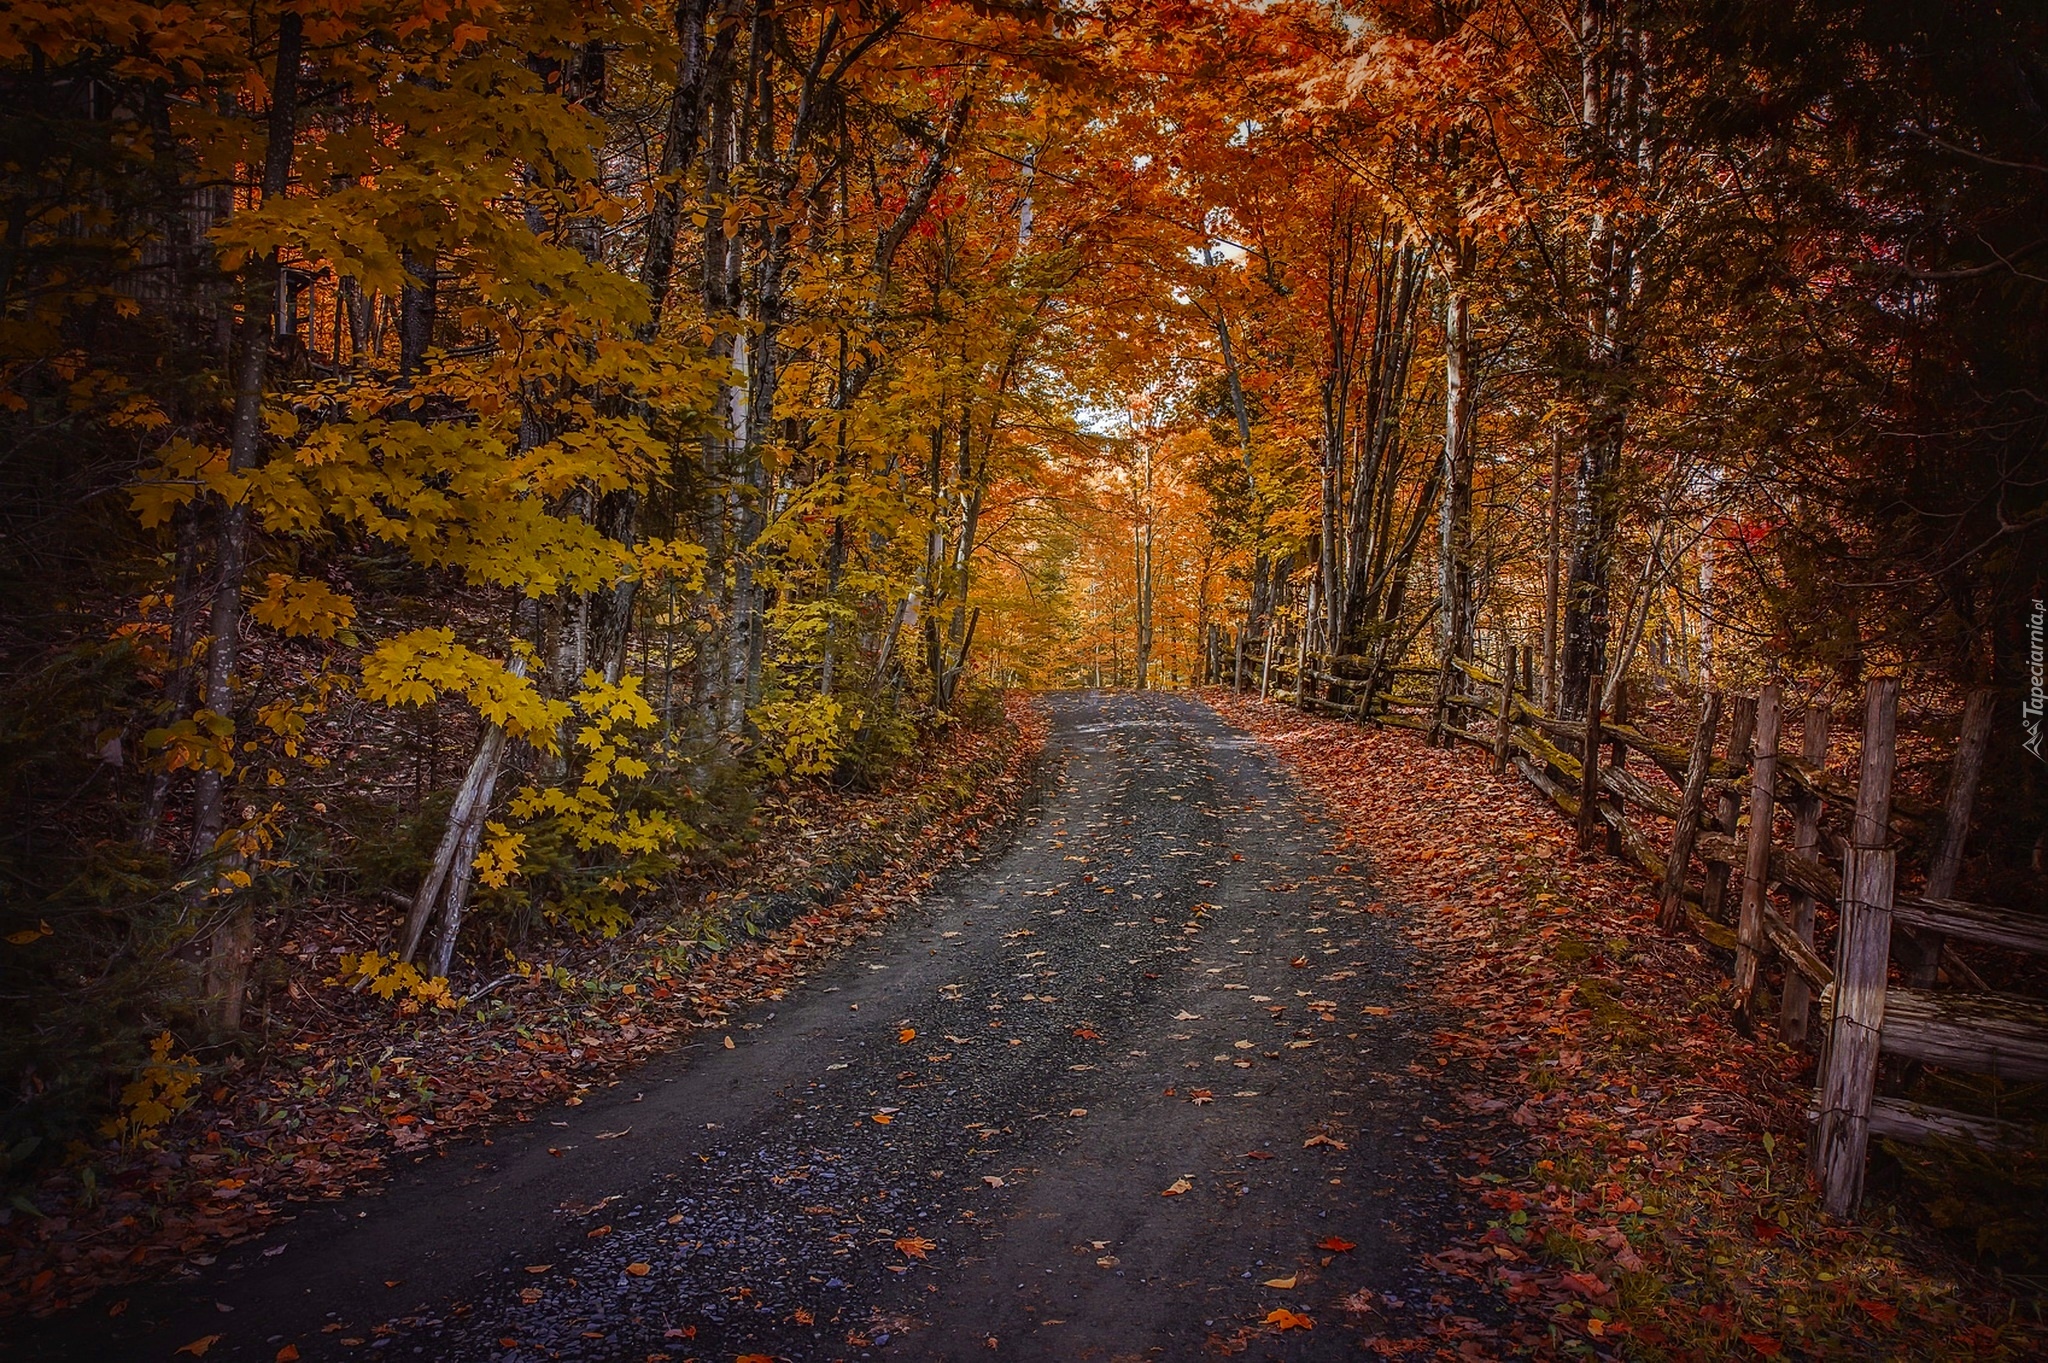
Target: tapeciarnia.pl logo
column 2037, row 679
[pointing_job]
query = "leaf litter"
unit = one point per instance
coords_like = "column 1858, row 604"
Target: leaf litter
column 1641, row 1160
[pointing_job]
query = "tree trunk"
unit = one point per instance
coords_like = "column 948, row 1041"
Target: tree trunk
column 228, row 964
column 418, row 307
column 1455, row 578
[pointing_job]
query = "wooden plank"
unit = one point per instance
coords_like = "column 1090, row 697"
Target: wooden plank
column 1624, row 784
column 2011, row 929
column 1631, row 843
column 1741, row 724
column 1996, row 1034
column 1670, row 756
column 1787, row 867
column 1909, row 816
column 1756, row 864
column 1716, row 934
column 1802, row 962
column 1537, row 777
column 1862, row 953
column 1690, row 801
column 1903, row 1120
column 1965, row 771
column 1796, row 1005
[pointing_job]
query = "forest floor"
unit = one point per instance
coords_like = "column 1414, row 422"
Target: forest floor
column 1642, row 1161
column 1306, row 1045
column 340, row 1088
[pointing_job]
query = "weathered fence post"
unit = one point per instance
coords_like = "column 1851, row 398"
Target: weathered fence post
column 1589, row 766
column 1756, row 865
column 1796, row 1008
column 1741, row 723
column 1964, row 772
column 1862, row 951
column 1507, row 711
column 1691, row 802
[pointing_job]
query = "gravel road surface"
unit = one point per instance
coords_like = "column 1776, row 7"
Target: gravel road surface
column 1101, row 1098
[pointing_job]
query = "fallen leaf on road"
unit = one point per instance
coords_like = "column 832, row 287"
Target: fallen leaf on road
column 1177, row 1187
column 288, row 1354
column 1377, row 1011
column 639, row 1270
column 1200, row 1096
column 1284, row 1319
column 1282, row 1283
column 1320, row 1139
column 614, row 1135
column 1299, row 963
column 881, row 1119
column 1330, row 1244
column 538, row 1268
column 906, row 1036
column 1258, row 1154
column 198, row 1347
column 915, row 1246
column 728, row 1043
column 1185, row 1016
column 992, row 1180
column 1078, row 1112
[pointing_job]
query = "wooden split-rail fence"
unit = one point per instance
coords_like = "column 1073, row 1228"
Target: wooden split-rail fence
column 1723, row 812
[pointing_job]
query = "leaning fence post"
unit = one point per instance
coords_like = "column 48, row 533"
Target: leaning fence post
column 1965, row 771
column 1589, row 759
column 1756, row 866
column 1617, row 758
column 1691, row 802
column 1741, row 722
column 1862, row 952
column 1796, row 1007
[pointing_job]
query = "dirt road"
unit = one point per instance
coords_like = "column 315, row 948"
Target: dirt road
column 1102, row 1099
